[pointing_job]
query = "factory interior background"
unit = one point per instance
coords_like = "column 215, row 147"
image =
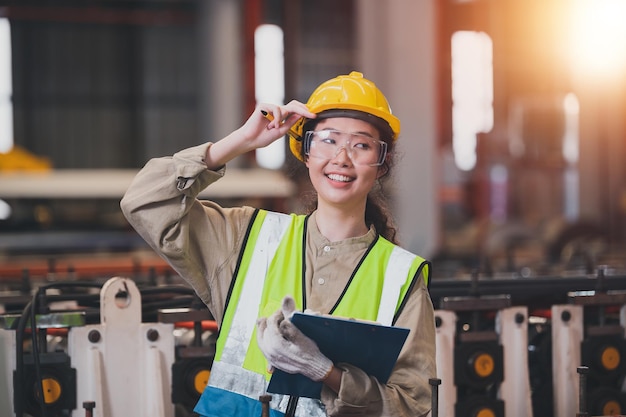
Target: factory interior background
column 511, row 181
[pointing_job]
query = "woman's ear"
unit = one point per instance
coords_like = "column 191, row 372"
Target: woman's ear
column 382, row 170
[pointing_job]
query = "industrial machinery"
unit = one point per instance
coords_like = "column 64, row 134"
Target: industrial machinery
column 513, row 345
column 591, row 331
column 506, row 346
column 486, row 337
column 118, row 350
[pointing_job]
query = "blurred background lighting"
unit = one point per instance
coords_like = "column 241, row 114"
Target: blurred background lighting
column 5, row 210
column 6, row 106
column 570, row 139
column 598, row 36
column 472, row 93
column 269, row 81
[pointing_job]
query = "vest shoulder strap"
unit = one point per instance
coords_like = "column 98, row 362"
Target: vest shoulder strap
column 244, row 317
column 396, row 274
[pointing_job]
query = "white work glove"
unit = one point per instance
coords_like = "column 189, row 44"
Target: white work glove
column 286, row 348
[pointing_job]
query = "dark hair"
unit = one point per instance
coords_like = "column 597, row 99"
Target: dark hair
column 376, row 210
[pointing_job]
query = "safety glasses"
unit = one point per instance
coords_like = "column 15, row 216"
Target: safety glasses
column 360, row 148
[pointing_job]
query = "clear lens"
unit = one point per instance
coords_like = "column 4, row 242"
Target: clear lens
column 362, row 149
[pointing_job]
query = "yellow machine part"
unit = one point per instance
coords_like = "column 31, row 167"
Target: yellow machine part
column 611, row 408
column 486, row 412
column 201, row 379
column 51, row 390
column 610, row 358
column 19, row 159
column 484, row 365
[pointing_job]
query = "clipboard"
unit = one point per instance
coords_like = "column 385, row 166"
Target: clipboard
column 370, row 346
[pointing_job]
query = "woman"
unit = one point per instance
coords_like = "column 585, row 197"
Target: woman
column 248, row 264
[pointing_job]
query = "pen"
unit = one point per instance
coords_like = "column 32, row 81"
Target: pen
column 270, row 117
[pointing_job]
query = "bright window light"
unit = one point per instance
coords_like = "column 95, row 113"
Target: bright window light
column 472, row 93
column 269, row 81
column 570, row 138
column 6, row 82
column 598, row 37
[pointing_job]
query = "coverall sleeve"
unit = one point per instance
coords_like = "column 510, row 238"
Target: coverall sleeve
column 407, row 392
column 199, row 239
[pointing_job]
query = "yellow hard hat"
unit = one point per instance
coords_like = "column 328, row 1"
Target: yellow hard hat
column 347, row 96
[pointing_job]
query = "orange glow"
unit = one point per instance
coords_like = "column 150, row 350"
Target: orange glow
column 598, row 36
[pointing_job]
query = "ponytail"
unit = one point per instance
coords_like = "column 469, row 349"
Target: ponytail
column 378, row 215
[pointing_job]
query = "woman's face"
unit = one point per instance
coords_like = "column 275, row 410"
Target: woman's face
column 338, row 181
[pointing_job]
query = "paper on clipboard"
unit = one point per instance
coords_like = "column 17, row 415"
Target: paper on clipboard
column 370, row 346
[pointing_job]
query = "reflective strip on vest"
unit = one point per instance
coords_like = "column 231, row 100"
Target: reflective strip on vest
column 272, row 231
column 398, row 267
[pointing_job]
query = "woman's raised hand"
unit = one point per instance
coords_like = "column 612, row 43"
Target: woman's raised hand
column 270, row 122
column 265, row 125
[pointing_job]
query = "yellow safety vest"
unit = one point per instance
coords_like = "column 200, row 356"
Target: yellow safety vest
column 271, row 266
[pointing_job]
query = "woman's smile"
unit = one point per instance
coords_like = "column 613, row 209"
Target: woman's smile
column 339, row 178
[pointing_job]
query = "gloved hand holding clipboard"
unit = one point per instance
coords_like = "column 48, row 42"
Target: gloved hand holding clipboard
column 372, row 347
